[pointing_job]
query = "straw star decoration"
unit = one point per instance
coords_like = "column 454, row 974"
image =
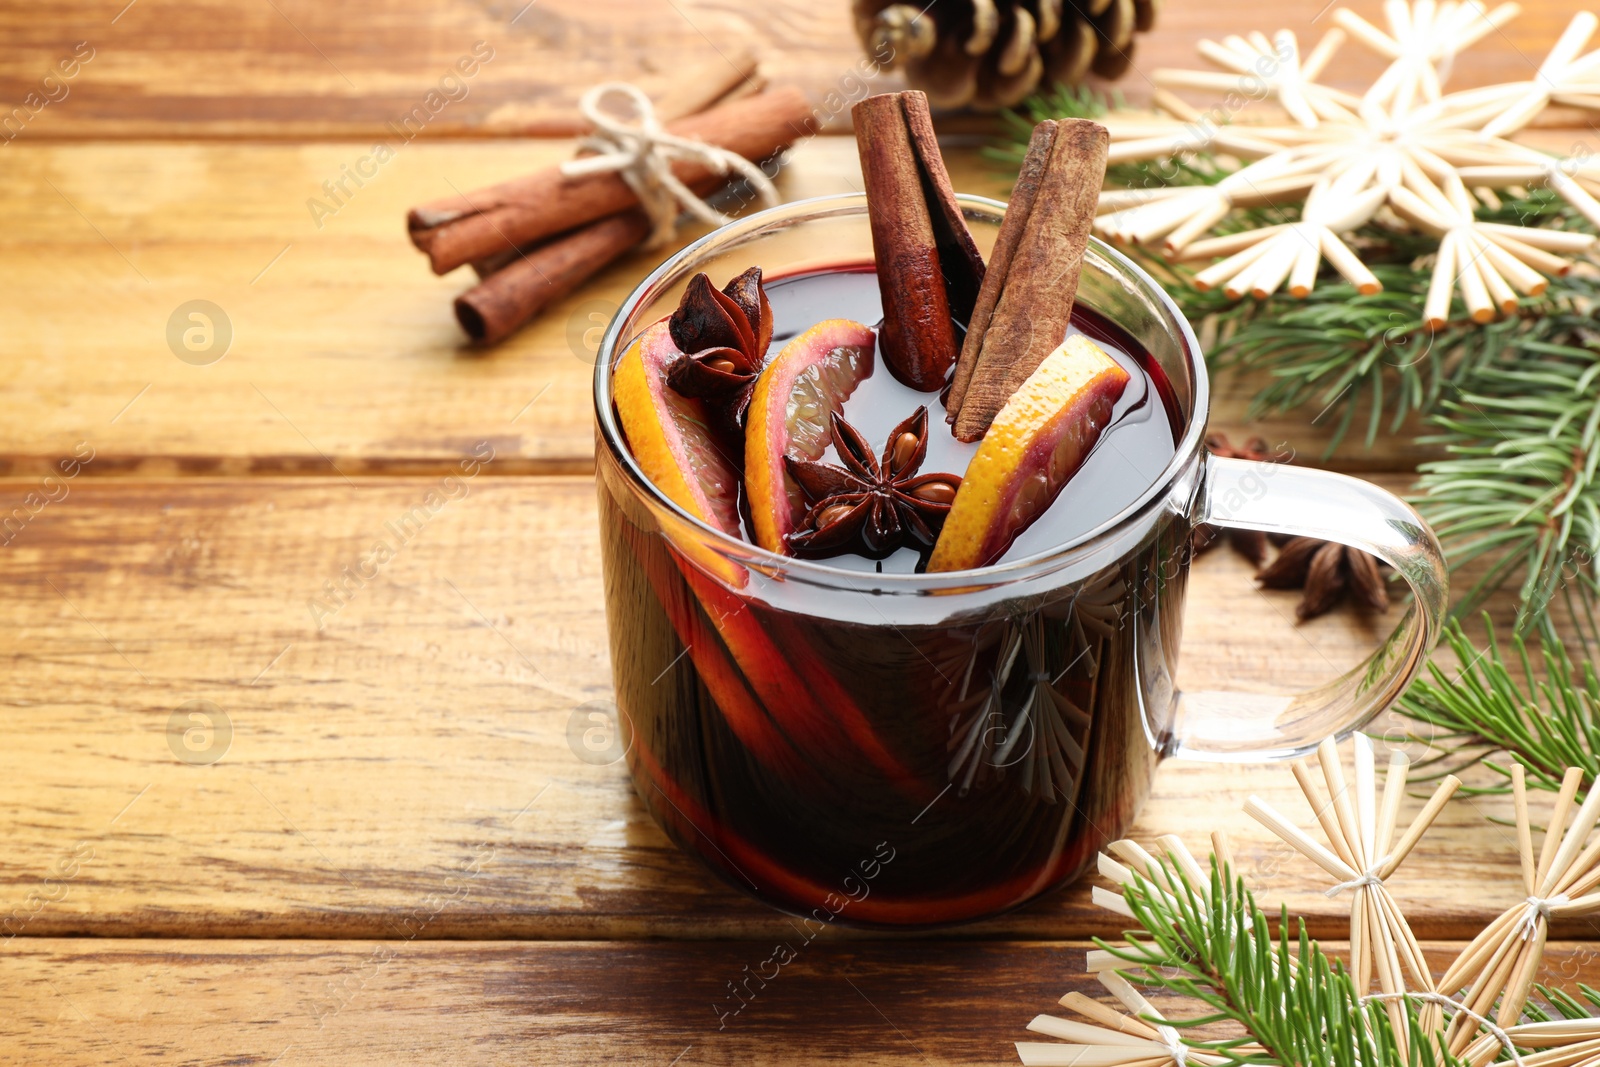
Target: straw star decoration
column 1404, row 154
column 1485, row 990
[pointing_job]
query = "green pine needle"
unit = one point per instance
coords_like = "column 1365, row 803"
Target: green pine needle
column 1521, row 486
column 1214, row 945
column 1270, row 1000
column 1546, row 725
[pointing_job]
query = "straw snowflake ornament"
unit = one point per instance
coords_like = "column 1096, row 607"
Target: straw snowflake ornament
column 1484, row 992
column 1403, row 154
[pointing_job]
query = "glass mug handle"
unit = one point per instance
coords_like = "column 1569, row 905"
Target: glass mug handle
column 1332, row 507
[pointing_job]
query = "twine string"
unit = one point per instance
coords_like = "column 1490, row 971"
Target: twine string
column 1175, row 1045
column 1492, row 1027
column 1537, row 908
column 1368, row 877
column 642, row 152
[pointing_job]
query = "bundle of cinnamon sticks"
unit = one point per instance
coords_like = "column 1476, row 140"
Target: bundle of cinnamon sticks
column 535, row 239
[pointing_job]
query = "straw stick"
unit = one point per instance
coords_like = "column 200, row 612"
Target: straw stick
column 1500, row 291
column 1410, row 951
column 1226, row 269
column 1582, row 875
column 1318, row 57
column 1519, row 794
column 1222, row 848
column 1347, row 264
column 1516, row 995
column 1108, row 1017
column 1226, row 245
column 1476, row 955
column 1087, row 1033
column 1303, row 275
column 1436, row 306
column 1110, row 901
column 1323, row 810
column 1419, row 826
column 1366, row 798
column 1360, row 952
column 1268, row 816
column 1474, row 293
column 1179, row 854
column 1394, row 791
column 1550, row 240
column 1522, row 277
column 1536, row 258
column 1558, row 821
column 1572, row 842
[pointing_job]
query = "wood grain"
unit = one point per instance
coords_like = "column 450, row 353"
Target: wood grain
column 392, row 764
column 293, row 69
column 345, row 356
column 353, row 1003
column 407, row 766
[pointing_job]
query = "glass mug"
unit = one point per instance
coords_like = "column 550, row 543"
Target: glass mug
column 919, row 749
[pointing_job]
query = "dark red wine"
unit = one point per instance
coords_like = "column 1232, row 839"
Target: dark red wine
column 950, row 764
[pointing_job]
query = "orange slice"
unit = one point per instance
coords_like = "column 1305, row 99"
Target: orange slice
column 669, row 436
column 1036, row 444
column 789, row 413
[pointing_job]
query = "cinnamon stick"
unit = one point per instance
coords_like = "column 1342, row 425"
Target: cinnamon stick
column 1025, row 304
column 517, row 285
column 1005, row 249
column 516, row 213
column 500, row 304
column 929, row 268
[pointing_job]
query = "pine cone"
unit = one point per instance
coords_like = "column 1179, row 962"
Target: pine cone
column 990, row 54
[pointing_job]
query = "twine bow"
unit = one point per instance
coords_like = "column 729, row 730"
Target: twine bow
column 1175, row 1045
column 1368, row 877
column 642, row 153
column 1538, row 908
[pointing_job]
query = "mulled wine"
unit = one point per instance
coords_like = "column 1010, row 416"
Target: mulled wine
column 853, row 768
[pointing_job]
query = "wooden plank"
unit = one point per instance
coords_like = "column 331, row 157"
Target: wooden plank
column 417, row 742
column 345, row 358
column 356, row 1003
column 293, row 69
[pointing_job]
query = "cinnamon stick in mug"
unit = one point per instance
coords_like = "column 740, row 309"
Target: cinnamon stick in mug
column 929, row 268
column 1025, row 304
column 516, row 213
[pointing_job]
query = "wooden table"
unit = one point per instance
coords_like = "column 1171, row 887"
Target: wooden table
column 396, row 856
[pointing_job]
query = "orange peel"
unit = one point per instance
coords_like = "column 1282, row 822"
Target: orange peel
column 1036, row 444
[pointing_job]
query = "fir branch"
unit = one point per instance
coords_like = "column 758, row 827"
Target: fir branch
column 1523, row 432
column 1295, row 1006
column 1484, row 712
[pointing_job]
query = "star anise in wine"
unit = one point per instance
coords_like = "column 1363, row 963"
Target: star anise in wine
column 723, row 337
column 872, row 505
column 1327, row 572
column 1251, row 544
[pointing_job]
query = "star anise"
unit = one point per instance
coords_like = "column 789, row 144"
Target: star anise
column 723, row 337
column 871, row 505
column 1327, row 571
column 1251, row 544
